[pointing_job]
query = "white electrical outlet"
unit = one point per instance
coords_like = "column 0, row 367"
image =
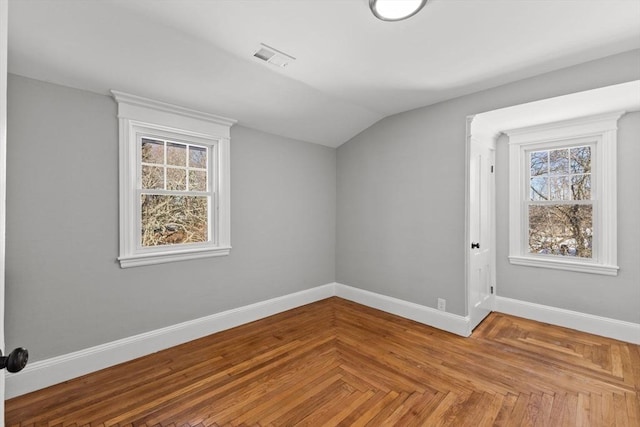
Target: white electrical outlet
column 442, row 304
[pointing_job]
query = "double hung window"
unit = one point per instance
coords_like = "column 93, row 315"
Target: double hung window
column 559, row 206
column 562, row 209
column 174, row 182
column 175, row 192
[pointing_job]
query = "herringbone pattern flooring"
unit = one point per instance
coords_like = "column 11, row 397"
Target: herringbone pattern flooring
column 339, row 363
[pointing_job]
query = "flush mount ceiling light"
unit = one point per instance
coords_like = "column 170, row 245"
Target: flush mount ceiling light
column 395, row 10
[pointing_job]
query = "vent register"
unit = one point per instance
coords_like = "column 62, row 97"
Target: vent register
column 273, row 56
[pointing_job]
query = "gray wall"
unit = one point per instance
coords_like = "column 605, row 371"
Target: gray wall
column 615, row 297
column 64, row 289
column 398, row 216
column 401, row 198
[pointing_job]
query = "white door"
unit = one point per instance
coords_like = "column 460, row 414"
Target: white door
column 480, row 265
column 3, row 169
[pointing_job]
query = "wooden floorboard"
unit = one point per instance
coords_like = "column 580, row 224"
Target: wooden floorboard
column 335, row 363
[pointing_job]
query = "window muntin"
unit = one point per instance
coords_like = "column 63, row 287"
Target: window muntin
column 559, row 204
column 174, row 192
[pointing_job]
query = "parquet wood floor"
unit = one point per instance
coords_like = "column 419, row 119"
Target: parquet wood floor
column 338, row 363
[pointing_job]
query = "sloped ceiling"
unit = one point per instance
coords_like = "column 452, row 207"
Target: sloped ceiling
column 351, row 69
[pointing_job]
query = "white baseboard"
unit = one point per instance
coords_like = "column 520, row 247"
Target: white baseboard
column 58, row 369
column 603, row 326
column 449, row 322
column 44, row 373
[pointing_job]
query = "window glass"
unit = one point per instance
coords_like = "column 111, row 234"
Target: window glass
column 170, row 220
column 152, row 151
column 179, row 169
column 197, row 157
column 559, row 175
column 564, row 230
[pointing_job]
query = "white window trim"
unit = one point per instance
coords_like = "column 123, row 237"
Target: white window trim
column 601, row 129
column 137, row 114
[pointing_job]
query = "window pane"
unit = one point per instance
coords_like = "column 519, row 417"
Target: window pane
column 539, row 189
column 152, row 151
column 169, row 220
column 581, row 187
column 559, row 188
column 564, row 230
column 197, row 157
column 581, row 160
column 197, row 180
column 539, row 163
column 152, row 177
column 176, row 154
column 559, row 162
column 176, row 179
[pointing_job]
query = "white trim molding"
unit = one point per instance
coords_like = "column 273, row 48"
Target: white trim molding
column 569, row 265
column 44, row 373
column 140, row 118
column 175, row 116
column 597, row 325
column 449, row 322
column 4, row 21
column 598, row 132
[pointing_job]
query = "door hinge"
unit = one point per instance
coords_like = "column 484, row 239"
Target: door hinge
column 491, row 168
column 491, row 290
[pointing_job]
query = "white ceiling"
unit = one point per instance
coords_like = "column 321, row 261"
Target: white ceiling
column 351, row 69
column 623, row 97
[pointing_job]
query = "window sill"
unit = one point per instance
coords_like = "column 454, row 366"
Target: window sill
column 171, row 256
column 561, row 264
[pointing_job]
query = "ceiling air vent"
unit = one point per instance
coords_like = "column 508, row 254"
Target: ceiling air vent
column 273, row 56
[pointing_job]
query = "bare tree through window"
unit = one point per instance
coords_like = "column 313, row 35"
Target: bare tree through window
column 174, row 200
column 560, row 207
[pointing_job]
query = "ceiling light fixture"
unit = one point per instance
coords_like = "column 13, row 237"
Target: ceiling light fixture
column 395, row 10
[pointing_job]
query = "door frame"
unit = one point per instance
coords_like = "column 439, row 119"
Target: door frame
column 474, row 126
column 4, row 21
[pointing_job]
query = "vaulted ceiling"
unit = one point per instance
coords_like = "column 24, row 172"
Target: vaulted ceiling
column 351, row 69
